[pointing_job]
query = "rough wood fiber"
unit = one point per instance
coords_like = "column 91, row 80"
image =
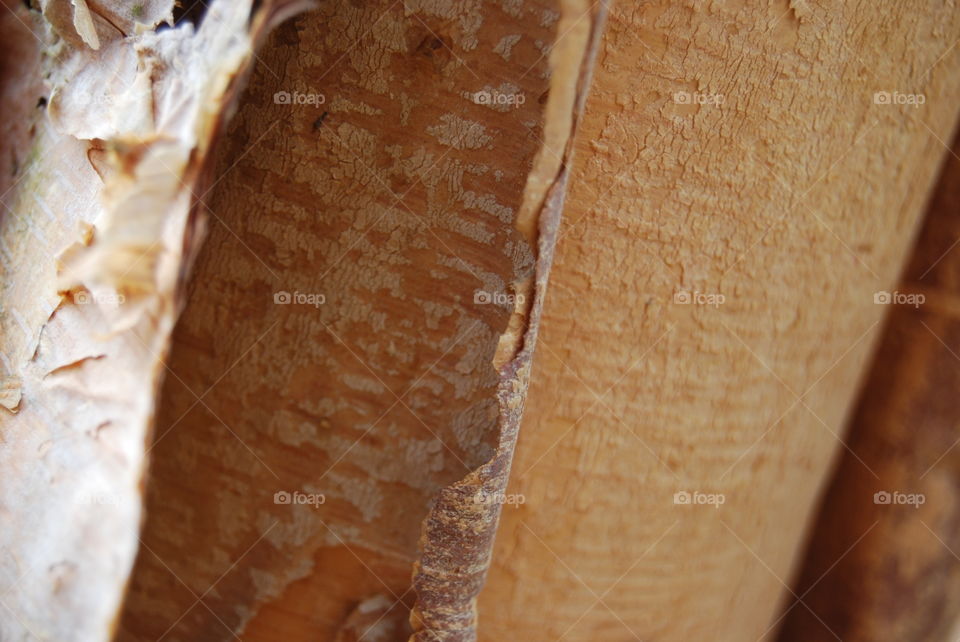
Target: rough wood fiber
column 796, row 198
column 900, row 579
column 397, row 199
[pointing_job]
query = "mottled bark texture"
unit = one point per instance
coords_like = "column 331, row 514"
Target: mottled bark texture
column 407, row 200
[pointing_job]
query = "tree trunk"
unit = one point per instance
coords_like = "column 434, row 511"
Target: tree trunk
column 896, row 512
column 357, row 264
column 796, row 199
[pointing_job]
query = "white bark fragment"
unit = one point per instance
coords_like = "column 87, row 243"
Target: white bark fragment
column 101, row 218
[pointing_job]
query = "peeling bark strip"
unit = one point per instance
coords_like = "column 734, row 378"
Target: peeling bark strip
column 398, row 205
column 459, row 532
column 96, row 234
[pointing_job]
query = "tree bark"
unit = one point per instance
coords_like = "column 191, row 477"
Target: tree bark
column 796, row 198
column 417, row 201
column 112, row 125
column 330, row 429
column 882, row 561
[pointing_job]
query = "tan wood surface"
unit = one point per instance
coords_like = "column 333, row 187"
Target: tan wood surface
column 900, row 576
column 796, row 198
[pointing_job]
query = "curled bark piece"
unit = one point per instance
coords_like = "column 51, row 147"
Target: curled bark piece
column 372, row 169
column 459, row 532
